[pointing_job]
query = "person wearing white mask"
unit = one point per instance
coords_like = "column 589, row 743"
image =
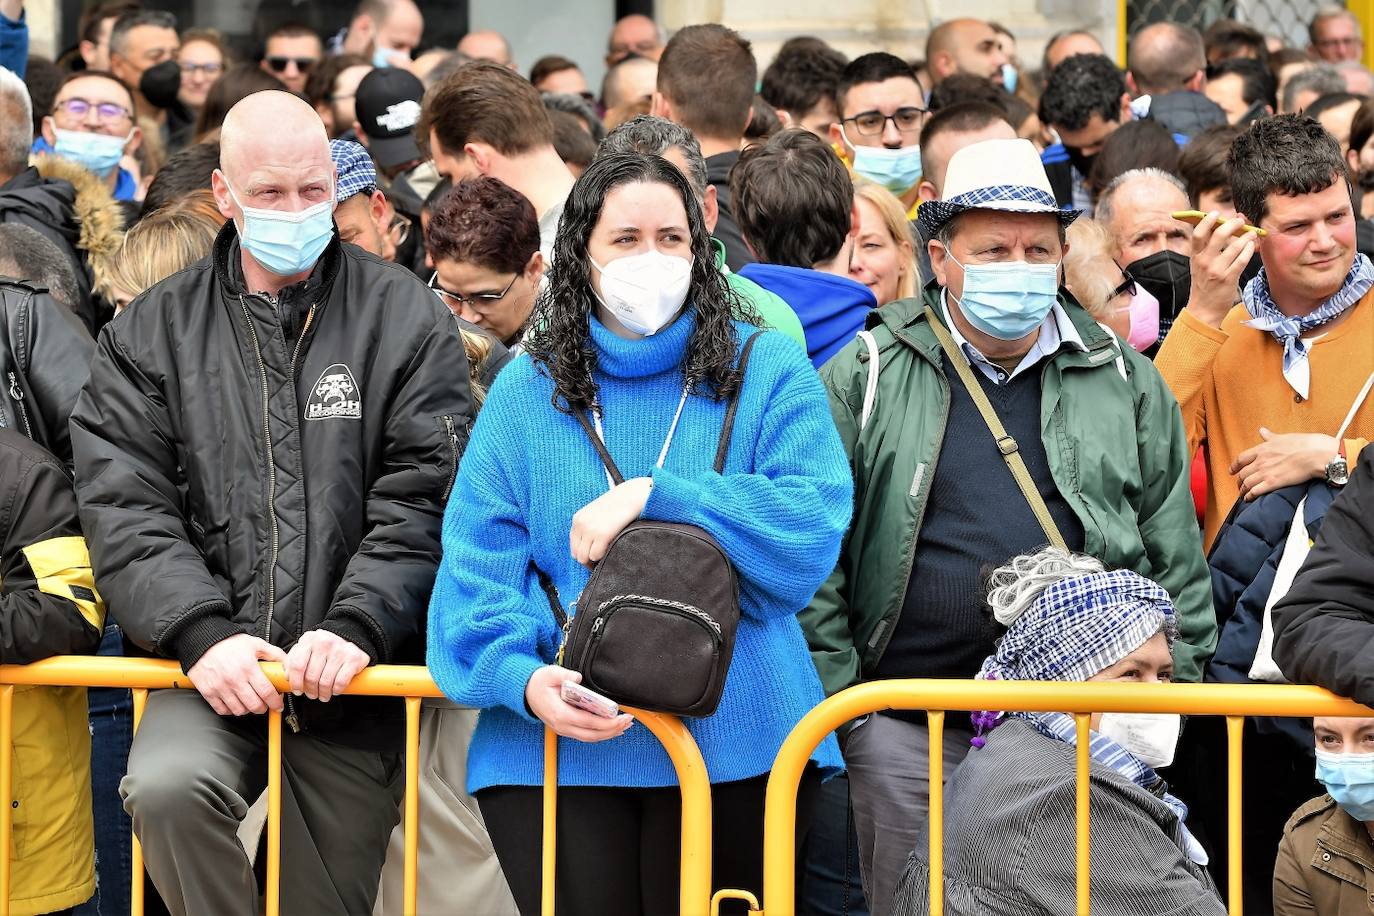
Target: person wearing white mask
column 274, row 493
column 1068, row 618
column 92, row 124
column 994, row 353
column 882, row 108
column 638, row 345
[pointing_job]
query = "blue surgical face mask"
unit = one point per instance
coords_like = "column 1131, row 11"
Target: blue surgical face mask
column 99, row 153
column 286, row 242
column 1009, row 77
column 1008, row 299
column 381, row 57
column 898, row 170
column 1349, row 778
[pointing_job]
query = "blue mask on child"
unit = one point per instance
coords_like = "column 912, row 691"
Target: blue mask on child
column 1008, row 299
column 1349, row 778
column 287, row 242
column 98, row 153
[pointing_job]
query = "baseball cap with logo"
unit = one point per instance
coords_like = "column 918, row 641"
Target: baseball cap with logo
column 388, row 105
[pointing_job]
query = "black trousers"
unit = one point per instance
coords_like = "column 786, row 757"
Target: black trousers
column 619, row 849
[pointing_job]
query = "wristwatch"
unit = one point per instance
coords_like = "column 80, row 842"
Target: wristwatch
column 1337, row 469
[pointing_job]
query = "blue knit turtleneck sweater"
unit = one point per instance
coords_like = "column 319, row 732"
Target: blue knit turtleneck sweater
column 779, row 511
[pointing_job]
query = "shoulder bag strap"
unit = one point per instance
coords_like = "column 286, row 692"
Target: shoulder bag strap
column 730, row 411
column 606, row 458
column 1005, row 443
column 1355, row 408
column 870, row 389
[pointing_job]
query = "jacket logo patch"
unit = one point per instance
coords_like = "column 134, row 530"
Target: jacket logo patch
column 335, row 396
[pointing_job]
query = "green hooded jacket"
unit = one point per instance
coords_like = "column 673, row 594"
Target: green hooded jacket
column 1116, row 446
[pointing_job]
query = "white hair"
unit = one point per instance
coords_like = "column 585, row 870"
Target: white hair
column 1104, row 202
column 16, row 124
column 1013, row 588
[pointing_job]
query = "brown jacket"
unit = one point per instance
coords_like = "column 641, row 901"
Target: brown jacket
column 1325, row 865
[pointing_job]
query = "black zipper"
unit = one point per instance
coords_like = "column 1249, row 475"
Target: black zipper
column 451, row 429
column 686, row 611
column 18, row 395
column 291, row 718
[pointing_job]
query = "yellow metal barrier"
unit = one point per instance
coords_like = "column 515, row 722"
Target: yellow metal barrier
column 410, row 682
column 694, row 891
column 1234, row 701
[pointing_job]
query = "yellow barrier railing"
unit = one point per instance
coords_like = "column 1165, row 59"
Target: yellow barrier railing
column 1234, row 701
column 413, row 683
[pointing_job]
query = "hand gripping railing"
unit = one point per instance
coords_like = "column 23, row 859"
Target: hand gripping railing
column 1234, row 701
column 412, row 683
column 142, row 675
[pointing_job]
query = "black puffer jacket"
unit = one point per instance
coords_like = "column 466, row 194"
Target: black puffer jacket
column 251, row 467
column 1244, row 560
column 45, row 356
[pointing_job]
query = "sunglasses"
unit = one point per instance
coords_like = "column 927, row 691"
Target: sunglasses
column 279, row 64
column 104, row 111
column 1127, row 287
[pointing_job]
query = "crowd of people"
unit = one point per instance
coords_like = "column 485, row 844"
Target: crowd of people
column 356, row 350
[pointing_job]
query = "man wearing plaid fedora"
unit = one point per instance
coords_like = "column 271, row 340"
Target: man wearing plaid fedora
column 983, row 419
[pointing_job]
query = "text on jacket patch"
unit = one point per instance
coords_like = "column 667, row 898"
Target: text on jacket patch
column 335, row 396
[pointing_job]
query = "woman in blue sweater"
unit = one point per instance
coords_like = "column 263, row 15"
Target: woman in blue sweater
column 635, row 311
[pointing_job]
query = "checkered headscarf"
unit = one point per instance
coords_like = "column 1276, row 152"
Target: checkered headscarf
column 1075, row 629
column 1080, row 626
column 357, row 175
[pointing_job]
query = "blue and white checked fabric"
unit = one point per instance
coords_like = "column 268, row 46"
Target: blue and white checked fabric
column 1081, row 626
column 1265, row 316
column 1010, row 198
column 1002, row 194
column 357, row 174
column 1110, row 754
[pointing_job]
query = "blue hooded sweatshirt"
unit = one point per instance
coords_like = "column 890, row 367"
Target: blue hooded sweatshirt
column 831, row 308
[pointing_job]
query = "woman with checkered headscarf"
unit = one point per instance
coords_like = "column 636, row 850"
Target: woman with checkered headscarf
column 1010, row 807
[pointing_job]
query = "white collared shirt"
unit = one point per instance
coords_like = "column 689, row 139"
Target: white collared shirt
column 1057, row 329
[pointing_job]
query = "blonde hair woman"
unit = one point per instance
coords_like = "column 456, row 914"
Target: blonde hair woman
column 884, row 255
column 159, row 245
column 1093, row 276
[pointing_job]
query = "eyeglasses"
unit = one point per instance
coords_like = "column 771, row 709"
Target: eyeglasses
column 279, row 64
column 1348, row 41
column 873, row 123
column 476, row 300
column 399, row 230
column 203, row 69
column 105, row 112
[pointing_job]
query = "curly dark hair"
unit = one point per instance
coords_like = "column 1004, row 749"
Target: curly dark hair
column 560, row 340
column 1080, row 86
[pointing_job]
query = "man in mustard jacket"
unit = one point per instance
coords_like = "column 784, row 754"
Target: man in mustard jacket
column 48, row 606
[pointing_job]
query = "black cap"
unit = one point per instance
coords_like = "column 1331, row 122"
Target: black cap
column 388, row 105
